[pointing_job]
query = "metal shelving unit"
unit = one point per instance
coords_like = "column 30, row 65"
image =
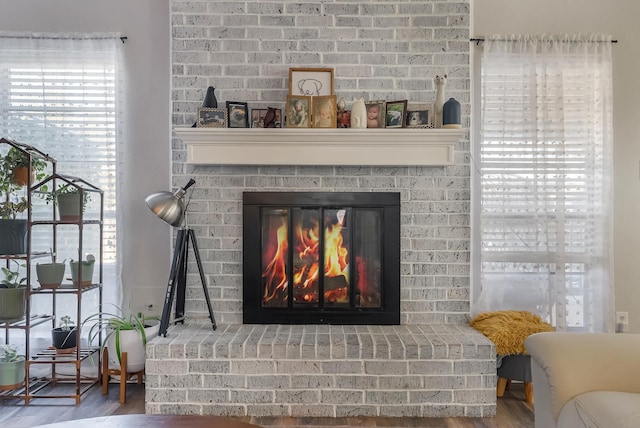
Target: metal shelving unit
column 36, row 386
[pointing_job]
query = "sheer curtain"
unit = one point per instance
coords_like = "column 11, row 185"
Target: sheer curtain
column 546, row 180
column 62, row 93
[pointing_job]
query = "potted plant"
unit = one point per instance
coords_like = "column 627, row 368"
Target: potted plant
column 123, row 333
column 12, row 229
column 50, row 275
column 17, row 164
column 64, row 337
column 82, row 271
column 11, row 368
column 71, row 200
column 12, row 295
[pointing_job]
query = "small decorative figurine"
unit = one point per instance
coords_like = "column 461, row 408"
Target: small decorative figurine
column 358, row 114
column 437, row 106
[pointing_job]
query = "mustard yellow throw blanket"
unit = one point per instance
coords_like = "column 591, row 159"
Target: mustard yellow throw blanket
column 508, row 329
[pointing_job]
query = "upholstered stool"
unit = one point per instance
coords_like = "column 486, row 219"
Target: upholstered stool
column 508, row 331
column 515, row 367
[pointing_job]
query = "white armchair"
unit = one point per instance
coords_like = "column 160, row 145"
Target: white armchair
column 585, row 379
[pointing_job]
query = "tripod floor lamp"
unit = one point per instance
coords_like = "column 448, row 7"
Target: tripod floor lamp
column 170, row 207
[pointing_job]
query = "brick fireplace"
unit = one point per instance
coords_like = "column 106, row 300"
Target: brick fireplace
column 432, row 363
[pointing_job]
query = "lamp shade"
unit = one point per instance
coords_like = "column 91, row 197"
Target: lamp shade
column 168, row 206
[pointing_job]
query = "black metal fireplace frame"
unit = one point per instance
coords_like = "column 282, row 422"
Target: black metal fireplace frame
column 255, row 313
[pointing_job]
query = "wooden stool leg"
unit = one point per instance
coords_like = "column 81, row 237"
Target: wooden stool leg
column 123, row 378
column 105, row 371
column 502, row 385
column 528, row 392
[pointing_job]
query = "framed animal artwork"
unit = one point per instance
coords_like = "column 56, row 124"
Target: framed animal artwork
column 238, row 114
column 311, row 82
column 396, row 111
column 419, row 116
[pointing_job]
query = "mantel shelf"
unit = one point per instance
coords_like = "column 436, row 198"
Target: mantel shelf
column 309, row 146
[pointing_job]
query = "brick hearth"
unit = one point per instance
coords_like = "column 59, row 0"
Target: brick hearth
column 321, row 370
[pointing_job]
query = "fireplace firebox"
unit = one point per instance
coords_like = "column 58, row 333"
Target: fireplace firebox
column 321, row 258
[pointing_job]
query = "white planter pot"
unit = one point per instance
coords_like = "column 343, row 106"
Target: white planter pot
column 131, row 343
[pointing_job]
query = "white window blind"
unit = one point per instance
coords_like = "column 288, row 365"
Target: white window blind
column 61, row 94
column 545, row 180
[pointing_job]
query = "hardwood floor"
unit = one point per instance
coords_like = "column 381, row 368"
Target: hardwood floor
column 513, row 412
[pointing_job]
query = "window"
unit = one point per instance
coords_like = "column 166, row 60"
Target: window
column 545, row 180
column 61, row 94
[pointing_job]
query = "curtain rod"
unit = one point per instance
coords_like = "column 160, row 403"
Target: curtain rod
column 123, row 38
column 481, row 39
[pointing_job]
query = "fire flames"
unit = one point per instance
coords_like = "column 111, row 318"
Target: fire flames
column 306, row 261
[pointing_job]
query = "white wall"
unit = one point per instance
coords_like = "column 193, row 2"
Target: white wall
column 618, row 18
column 146, row 24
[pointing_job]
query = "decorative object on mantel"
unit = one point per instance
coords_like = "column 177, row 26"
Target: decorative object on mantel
column 298, row 111
column 420, row 116
column 358, row 114
column 238, row 114
column 171, row 208
column 375, row 113
column 396, row 112
column 212, row 118
column 311, row 81
column 451, row 114
column 324, row 111
column 210, row 99
column 439, row 103
column 273, row 118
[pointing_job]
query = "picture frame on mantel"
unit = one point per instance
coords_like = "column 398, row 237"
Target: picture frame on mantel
column 419, row 116
column 212, row 118
column 311, row 82
column 238, row 114
column 298, row 111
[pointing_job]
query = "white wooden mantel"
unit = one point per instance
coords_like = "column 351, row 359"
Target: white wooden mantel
column 312, row 146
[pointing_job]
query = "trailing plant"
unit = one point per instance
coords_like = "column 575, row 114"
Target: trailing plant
column 11, row 205
column 12, row 279
column 9, row 209
column 10, row 354
column 111, row 324
column 16, row 158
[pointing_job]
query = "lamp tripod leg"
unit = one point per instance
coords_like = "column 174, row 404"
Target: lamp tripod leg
column 171, row 286
column 196, row 251
column 182, row 279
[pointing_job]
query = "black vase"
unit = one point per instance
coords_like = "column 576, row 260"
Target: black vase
column 451, row 114
column 210, row 99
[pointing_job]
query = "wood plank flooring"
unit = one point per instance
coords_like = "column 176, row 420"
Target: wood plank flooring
column 512, row 412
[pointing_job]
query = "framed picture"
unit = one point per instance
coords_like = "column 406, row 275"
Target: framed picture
column 323, row 110
column 419, row 116
column 344, row 119
column 275, row 121
column 396, row 111
column 257, row 117
column 260, row 118
column 238, row 114
column 375, row 114
column 298, row 111
column 311, row 81
column 212, row 118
